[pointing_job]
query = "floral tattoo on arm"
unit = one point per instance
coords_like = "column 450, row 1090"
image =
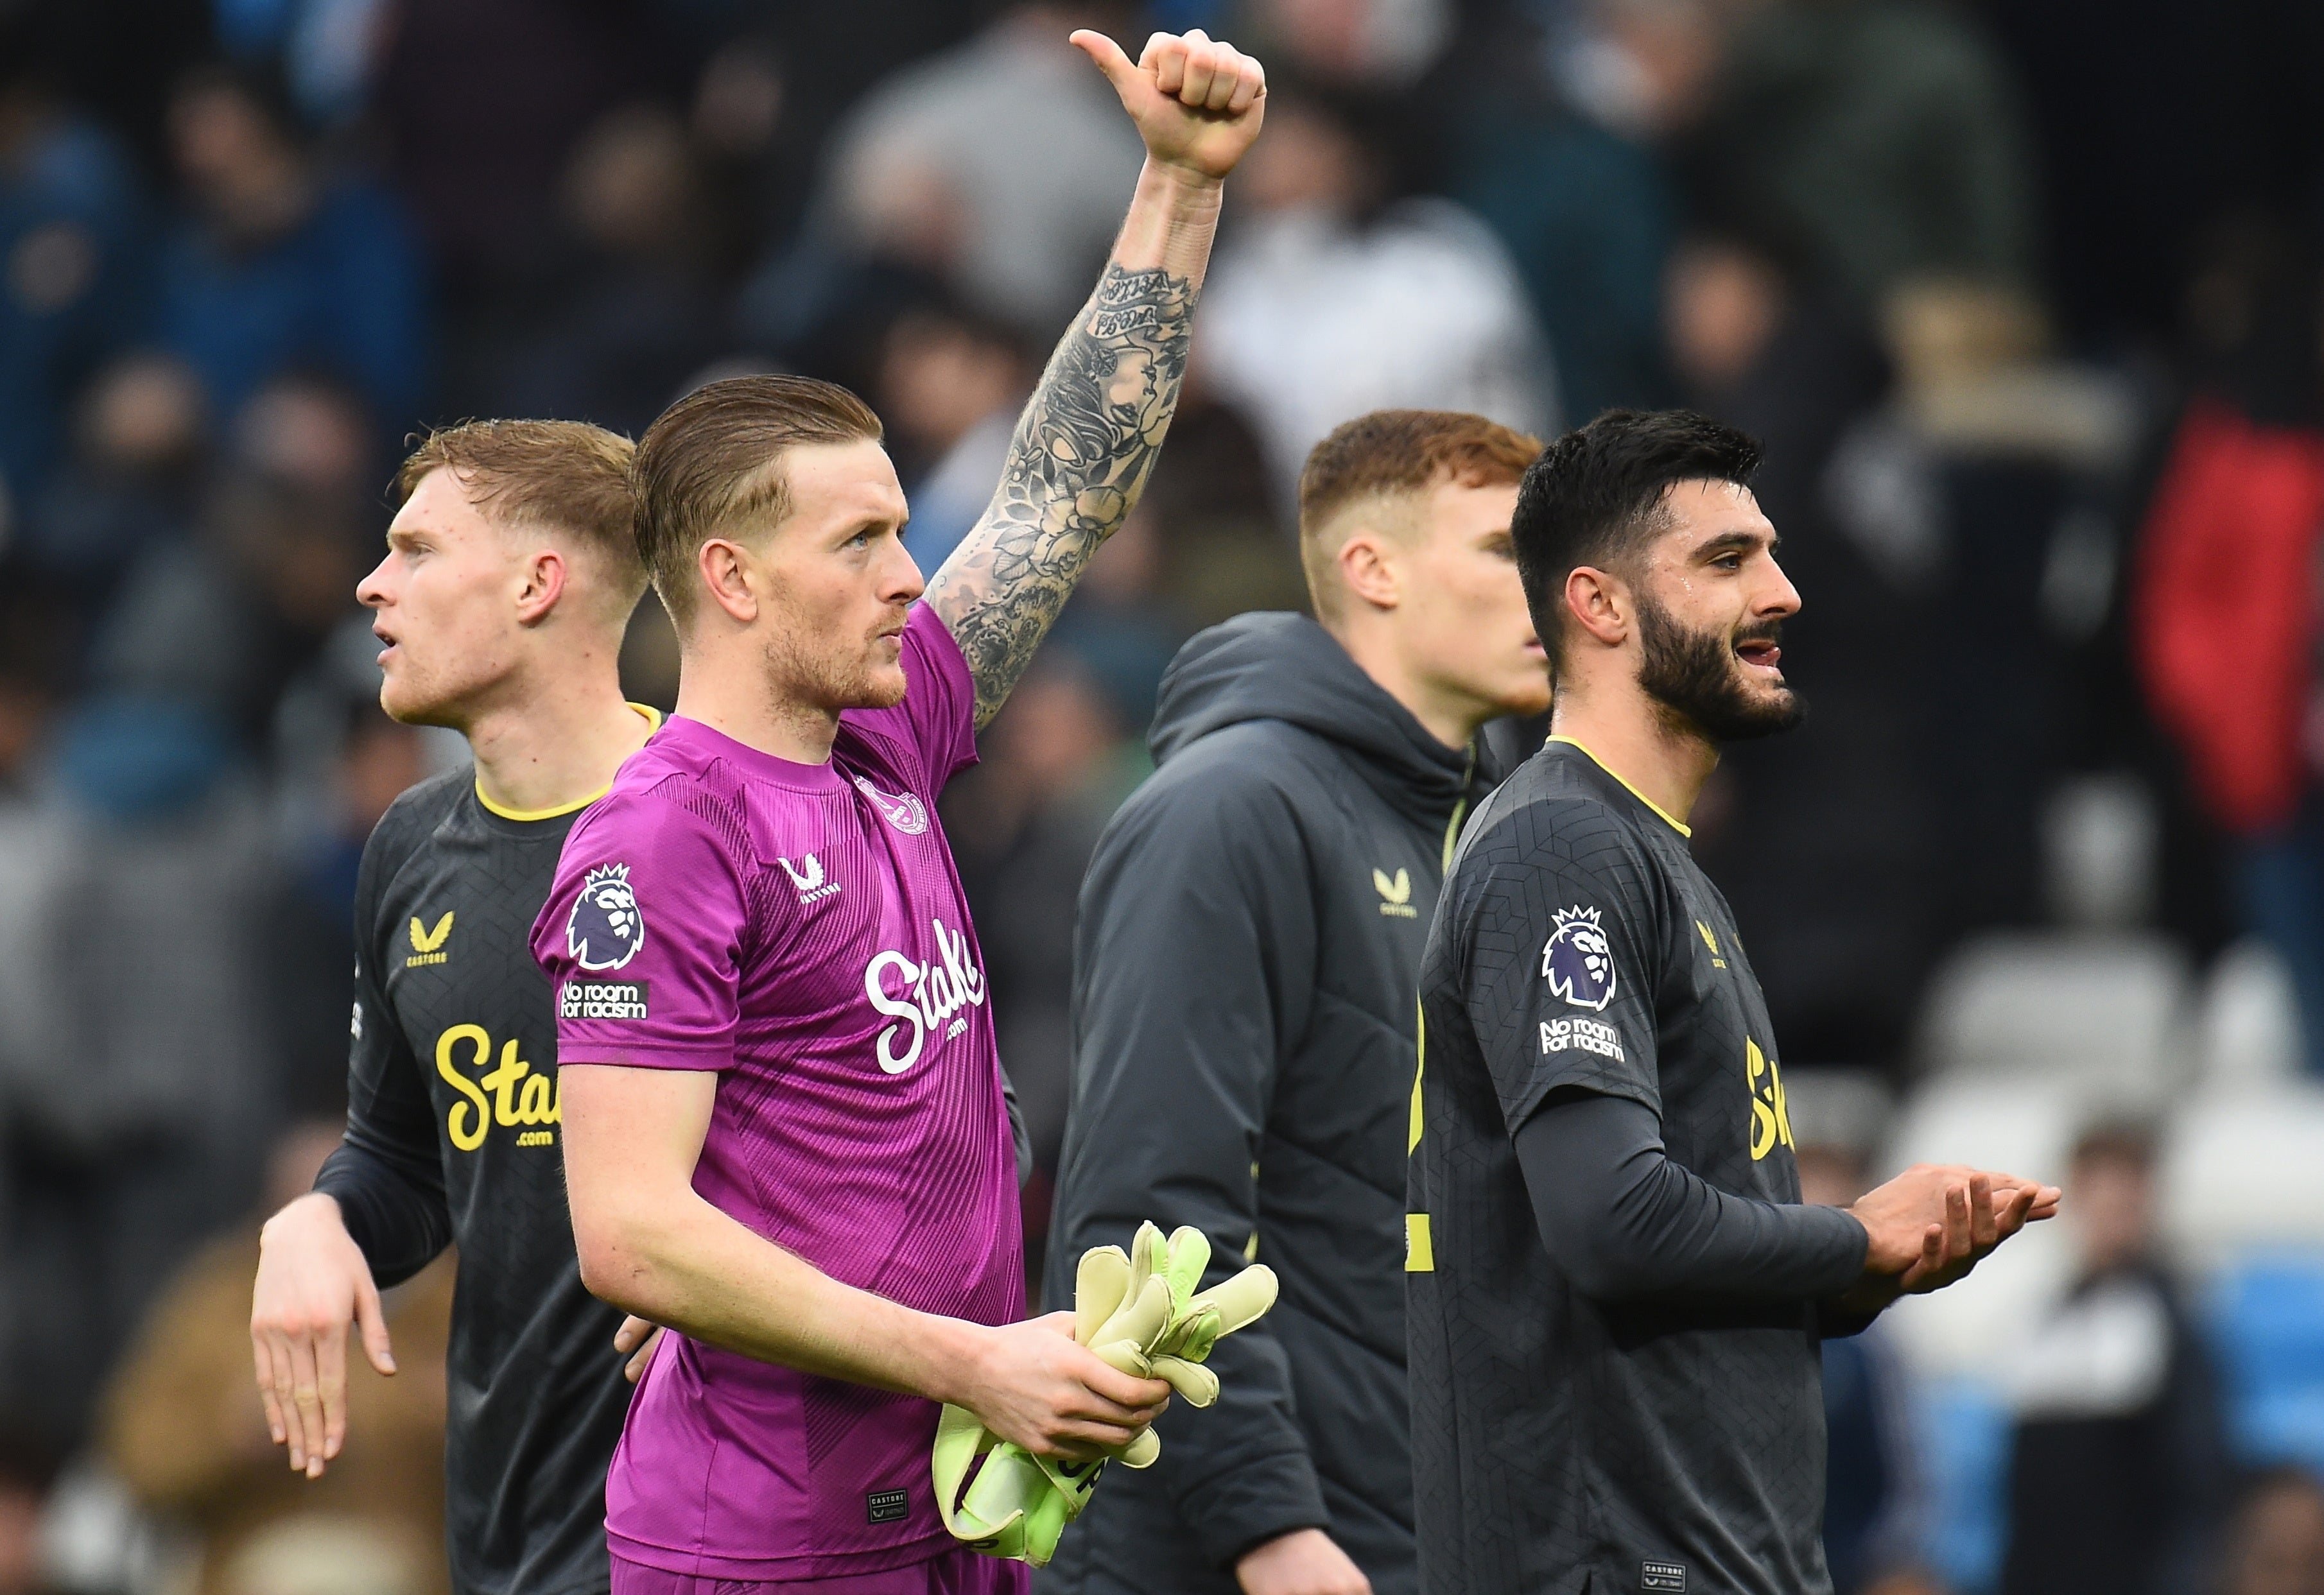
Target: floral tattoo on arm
column 1080, row 455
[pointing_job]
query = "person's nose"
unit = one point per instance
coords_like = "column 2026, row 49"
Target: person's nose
column 372, row 591
column 1778, row 599
column 901, row 580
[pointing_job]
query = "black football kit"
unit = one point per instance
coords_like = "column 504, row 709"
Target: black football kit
column 1643, row 1412
column 452, row 1138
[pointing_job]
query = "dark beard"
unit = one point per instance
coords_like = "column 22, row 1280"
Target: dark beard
column 1698, row 680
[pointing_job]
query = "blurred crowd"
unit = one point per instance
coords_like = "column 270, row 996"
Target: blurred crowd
column 2025, row 300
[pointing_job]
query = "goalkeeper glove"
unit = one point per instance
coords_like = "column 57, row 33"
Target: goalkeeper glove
column 1139, row 1312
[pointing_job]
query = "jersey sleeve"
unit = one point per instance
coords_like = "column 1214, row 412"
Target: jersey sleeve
column 642, row 937
column 387, row 1175
column 931, row 736
column 1563, row 958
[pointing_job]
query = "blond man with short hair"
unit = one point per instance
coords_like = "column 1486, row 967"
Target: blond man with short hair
column 786, row 1136
column 510, row 574
column 1244, row 981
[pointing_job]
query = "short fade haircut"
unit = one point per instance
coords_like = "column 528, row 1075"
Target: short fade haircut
column 563, row 476
column 714, row 461
column 1596, row 497
column 1391, row 453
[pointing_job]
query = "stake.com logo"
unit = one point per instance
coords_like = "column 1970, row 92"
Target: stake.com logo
column 930, row 994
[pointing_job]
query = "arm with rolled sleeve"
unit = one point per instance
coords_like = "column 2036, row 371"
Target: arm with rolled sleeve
column 1194, row 969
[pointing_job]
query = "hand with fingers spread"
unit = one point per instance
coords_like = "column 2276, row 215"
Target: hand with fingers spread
column 1033, row 1384
column 312, row 1283
column 1931, row 1224
column 1197, row 101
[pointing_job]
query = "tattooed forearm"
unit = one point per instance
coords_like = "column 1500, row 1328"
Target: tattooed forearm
column 1080, row 455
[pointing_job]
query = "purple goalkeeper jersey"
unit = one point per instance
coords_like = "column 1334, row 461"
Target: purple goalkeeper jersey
column 799, row 928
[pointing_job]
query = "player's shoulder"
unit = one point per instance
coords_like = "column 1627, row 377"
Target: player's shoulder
column 660, row 801
column 418, row 813
column 1247, row 788
column 1556, row 811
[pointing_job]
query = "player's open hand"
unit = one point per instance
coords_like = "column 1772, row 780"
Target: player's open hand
column 1032, row 1383
column 312, row 1283
column 1931, row 1224
column 1197, row 101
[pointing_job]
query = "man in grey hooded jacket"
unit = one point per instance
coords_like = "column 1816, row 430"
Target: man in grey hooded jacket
column 1245, row 984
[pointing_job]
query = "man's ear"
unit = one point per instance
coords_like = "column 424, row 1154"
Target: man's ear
column 726, row 570
column 545, row 576
column 1599, row 602
column 1368, row 565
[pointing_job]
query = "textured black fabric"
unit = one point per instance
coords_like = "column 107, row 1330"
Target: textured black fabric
column 1563, row 1442
column 1623, row 1221
column 452, row 1134
column 1245, row 987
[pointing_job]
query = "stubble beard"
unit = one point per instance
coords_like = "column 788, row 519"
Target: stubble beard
column 1697, row 682
column 826, row 678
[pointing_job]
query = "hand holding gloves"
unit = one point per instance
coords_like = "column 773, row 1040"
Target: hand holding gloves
column 1140, row 1313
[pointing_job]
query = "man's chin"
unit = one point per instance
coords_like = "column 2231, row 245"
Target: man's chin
column 406, row 705
column 882, row 688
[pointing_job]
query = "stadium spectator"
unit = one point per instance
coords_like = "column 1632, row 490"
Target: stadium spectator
column 71, row 224
column 1881, row 137
column 1013, row 216
column 182, row 1428
column 2118, row 1458
column 131, row 482
column 279, row 262
column 951, row 382
column 1028, row 818
column 136, row 1062
column 631, row 309
column 1586, row 212
column 1876, row 1497
column 2226, row 611
column 1331, row 300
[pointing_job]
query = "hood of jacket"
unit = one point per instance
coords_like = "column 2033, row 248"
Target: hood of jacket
column 1284, row 667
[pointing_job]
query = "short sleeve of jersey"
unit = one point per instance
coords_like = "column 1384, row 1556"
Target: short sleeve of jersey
column 931, row 736
column 641, row 936
column 1563, row 958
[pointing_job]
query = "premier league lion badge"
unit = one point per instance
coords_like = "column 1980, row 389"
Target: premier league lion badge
column 1577, row 961
column 606, row 930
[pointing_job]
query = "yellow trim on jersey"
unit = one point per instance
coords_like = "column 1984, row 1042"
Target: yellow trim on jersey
column 1663, row 813
column 1419, row 1250
column 654, row 724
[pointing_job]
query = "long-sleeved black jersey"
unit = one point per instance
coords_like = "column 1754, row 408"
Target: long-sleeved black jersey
column 452, row 1137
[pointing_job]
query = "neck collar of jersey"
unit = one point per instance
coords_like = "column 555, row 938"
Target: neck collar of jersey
column 654, row 724
column 1660, row 812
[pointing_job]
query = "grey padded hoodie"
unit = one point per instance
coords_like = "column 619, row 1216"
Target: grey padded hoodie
column 1245, row 985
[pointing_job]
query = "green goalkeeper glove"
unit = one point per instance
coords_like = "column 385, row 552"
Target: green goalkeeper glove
column 1141, row 1314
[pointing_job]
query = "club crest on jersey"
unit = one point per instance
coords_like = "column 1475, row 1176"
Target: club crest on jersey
column 605, row 930
column 1578, row 961
column 906, row 813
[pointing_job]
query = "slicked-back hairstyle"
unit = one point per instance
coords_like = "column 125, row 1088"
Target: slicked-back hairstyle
column 1595, row 497
column 1391, row 454
column 711, row 465
column 565, row 477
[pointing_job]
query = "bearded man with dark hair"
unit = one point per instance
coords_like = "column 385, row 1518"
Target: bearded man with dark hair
column 1616, row 1297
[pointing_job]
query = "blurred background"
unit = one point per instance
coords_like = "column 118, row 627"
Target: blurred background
column 2023, row 295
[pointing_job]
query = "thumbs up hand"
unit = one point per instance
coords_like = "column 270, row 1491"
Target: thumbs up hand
column 1197, row 101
